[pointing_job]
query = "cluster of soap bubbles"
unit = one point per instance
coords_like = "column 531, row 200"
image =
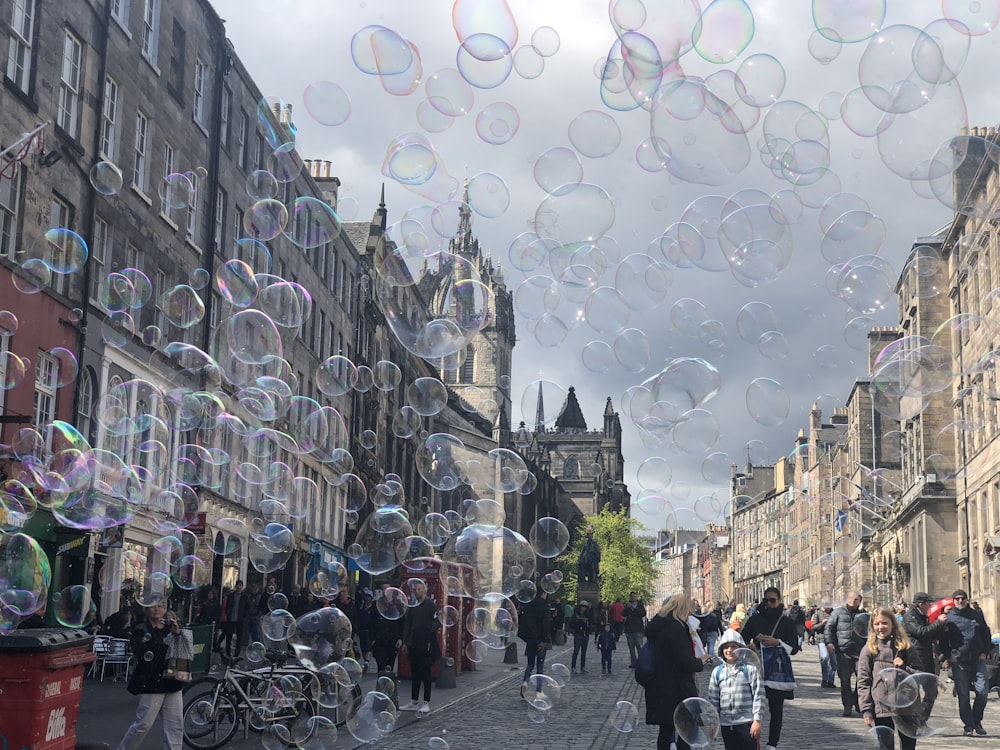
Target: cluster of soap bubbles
column 235, row 419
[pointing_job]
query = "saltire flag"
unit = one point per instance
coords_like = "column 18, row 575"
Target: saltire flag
column 841, row 520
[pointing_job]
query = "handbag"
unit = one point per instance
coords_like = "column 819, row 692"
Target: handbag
column 777, row 665
column 180, row 654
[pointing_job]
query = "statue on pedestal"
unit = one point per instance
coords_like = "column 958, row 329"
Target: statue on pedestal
column 588, row 566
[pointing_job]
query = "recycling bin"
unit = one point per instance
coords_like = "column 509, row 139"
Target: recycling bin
column 202, row 636
column 41, row 679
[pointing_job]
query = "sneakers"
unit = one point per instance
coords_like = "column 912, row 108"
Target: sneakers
column 524, row 690
column 980, row 731
column 771, row 747
column 583, row 671
column 573, row 671
column 425, row 708
column 411, row 706
column 968, row 732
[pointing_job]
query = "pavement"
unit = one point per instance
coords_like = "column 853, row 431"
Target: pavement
column 485, row 712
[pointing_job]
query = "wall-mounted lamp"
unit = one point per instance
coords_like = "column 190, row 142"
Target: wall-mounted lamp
column 52, row 157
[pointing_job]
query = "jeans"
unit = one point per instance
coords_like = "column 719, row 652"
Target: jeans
column 606, row 660
column 826, row 663
column 635, row 641
column 737, row 737
column 151, row 705
column 710, row 640
column 666, row 736
column 618, row 628
column 535, row 657
column 580, row 647
column 420, row 669
column 776, row 705
column 226, row 637
column 847, row 669
column 972, row 675
column 885, row 741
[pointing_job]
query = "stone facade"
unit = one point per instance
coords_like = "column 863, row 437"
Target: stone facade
column 161, row 104
column 758, row 529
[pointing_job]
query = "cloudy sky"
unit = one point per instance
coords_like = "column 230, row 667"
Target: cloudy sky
column 815, row 176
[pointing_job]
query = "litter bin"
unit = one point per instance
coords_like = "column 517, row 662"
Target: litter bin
column 41, row 678
column 202, row 640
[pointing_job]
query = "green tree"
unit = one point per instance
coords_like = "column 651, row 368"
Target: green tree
column 626, row 563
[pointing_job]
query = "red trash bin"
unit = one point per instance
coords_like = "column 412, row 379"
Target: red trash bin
column 41, row 679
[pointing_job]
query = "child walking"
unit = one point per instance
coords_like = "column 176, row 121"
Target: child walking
column 606, row 644
column 879, row 665
column 735, row 690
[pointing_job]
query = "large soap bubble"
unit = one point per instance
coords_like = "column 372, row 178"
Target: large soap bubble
column 320, row 637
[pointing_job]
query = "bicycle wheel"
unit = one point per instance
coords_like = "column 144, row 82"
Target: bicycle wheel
column 210, row 720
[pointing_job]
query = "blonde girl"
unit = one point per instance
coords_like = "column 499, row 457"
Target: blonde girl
column 880, row 667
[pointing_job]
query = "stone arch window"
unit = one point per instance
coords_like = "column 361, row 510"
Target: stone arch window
column 469, row 365
column 571, row 468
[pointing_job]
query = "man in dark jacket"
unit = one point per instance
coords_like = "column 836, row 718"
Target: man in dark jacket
column 231, row 609
column 533, row 627
column 420, row 629
column 924, row 636
column 249, row 609
column 798, row 617
column 843, row 639
column 970, row 639
column 635, row 624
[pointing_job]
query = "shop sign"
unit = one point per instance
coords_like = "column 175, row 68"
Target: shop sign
column 73, row 544
column 12, row 519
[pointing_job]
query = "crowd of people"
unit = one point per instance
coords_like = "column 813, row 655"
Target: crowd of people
column 868, row 652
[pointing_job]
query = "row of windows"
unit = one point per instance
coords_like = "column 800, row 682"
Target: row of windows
column 47, row 379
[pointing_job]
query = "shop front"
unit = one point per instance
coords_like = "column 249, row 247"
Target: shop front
column 67, row 550
column 325, row 556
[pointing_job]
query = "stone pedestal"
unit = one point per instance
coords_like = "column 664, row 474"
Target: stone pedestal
column 589, row 591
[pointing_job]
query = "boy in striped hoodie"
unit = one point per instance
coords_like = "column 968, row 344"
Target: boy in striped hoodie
column 735, row 690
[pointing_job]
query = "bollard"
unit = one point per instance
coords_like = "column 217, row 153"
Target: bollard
column 510, row 655
column 446, row 673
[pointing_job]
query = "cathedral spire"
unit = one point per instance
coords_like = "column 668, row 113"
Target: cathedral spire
column 540, row 412
column 464, row 218
column 379, row 222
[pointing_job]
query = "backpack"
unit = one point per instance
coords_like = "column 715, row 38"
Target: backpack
column 645, row 665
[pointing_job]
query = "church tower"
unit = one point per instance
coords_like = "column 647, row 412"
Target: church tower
column 588, row 463
column 482, row 376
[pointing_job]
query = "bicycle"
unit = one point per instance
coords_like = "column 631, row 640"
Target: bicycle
column 283, row 700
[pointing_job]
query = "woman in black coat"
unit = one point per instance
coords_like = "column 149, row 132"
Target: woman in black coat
column 770, row 628
column 675, row 663
column 159, row 695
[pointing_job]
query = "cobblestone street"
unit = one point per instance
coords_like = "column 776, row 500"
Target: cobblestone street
column 495, row 717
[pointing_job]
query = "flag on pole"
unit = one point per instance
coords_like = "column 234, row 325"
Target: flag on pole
column 841, row 519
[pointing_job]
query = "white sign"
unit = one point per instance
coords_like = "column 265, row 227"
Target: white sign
column 57, row 724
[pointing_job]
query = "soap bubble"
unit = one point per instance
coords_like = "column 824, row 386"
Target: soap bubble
column 696, row 722
column 624, row 717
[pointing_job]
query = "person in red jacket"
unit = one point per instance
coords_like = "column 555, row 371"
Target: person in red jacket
column 616, row 616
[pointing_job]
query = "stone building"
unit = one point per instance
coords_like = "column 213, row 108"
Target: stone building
column 715, row 575
column 970, row 250
column 757, row 521
column 588, row 463
column 811, row 501
column 480, row 376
